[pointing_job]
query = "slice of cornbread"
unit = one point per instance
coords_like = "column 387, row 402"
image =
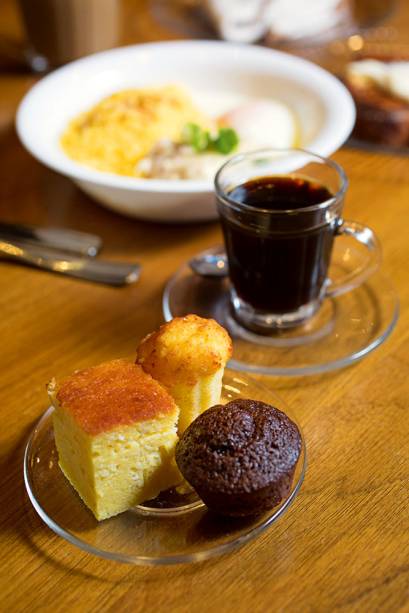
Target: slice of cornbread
column 115, row 432
column 188, row 356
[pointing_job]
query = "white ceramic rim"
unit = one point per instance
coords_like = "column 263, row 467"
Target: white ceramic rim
column 337, row 100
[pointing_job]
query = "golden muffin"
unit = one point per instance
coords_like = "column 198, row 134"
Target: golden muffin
column 188, row 356
column 115, row 430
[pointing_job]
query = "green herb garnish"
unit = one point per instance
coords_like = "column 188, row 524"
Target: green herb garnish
column 193, row 135
column 225, row 141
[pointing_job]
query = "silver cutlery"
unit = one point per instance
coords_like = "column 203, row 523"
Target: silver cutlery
column 54, row 260
column 211, row 265
column 57, row 238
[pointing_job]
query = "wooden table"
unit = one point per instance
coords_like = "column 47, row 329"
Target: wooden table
column 343, row 545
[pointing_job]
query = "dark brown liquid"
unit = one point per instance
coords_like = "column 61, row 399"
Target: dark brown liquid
column 278, row 263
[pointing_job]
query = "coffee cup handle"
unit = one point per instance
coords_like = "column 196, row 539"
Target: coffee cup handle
column 353, row 279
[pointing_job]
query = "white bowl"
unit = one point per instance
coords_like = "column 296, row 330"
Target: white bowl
column 324, row 108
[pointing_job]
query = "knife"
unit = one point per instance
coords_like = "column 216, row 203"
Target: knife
column 62, row 262
column 58, row 238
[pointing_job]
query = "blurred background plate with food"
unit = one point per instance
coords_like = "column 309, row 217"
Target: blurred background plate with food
column 376, row 72
column 336, row 34
column 142, row 129
column 280, row 23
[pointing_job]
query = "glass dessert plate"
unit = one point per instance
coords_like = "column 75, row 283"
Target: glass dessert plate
column 345, row 329
column 176, row 527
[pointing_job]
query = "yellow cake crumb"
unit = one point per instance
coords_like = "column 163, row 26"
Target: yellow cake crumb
column 188, row 356
column 115, row 134
column 115, row 430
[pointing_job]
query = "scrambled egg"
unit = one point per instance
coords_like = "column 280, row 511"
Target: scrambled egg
column 119, row 131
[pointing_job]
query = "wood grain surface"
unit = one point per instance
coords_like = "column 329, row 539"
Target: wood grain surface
column 343, row 545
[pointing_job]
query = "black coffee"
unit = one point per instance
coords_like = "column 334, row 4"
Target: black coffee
column 279, row 262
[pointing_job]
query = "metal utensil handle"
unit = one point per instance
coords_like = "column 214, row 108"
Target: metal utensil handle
column 98, row 271
column 58, row 238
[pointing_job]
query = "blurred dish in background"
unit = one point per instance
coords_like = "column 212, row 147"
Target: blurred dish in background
column 292, row 20
column 321, row 21
column 280, row 23
column 279, row 20
column 323, row 108
column 377, row 75
column 121, row 129
column 59, row 31
column 169, row 132
column 244, row 22
column 381, row 92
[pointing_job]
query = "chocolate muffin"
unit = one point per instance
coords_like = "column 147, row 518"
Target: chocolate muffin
column 240, row 457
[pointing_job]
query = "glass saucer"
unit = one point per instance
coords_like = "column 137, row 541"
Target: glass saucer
column 176, row 527
column 345, row 329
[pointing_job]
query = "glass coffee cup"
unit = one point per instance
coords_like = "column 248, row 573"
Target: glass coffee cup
column 280, row 212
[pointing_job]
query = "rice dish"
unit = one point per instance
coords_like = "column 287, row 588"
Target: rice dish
column 115, row 134
column 166, row 133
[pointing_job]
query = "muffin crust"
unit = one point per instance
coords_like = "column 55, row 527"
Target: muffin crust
column 184, row 350
column 112, row 394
